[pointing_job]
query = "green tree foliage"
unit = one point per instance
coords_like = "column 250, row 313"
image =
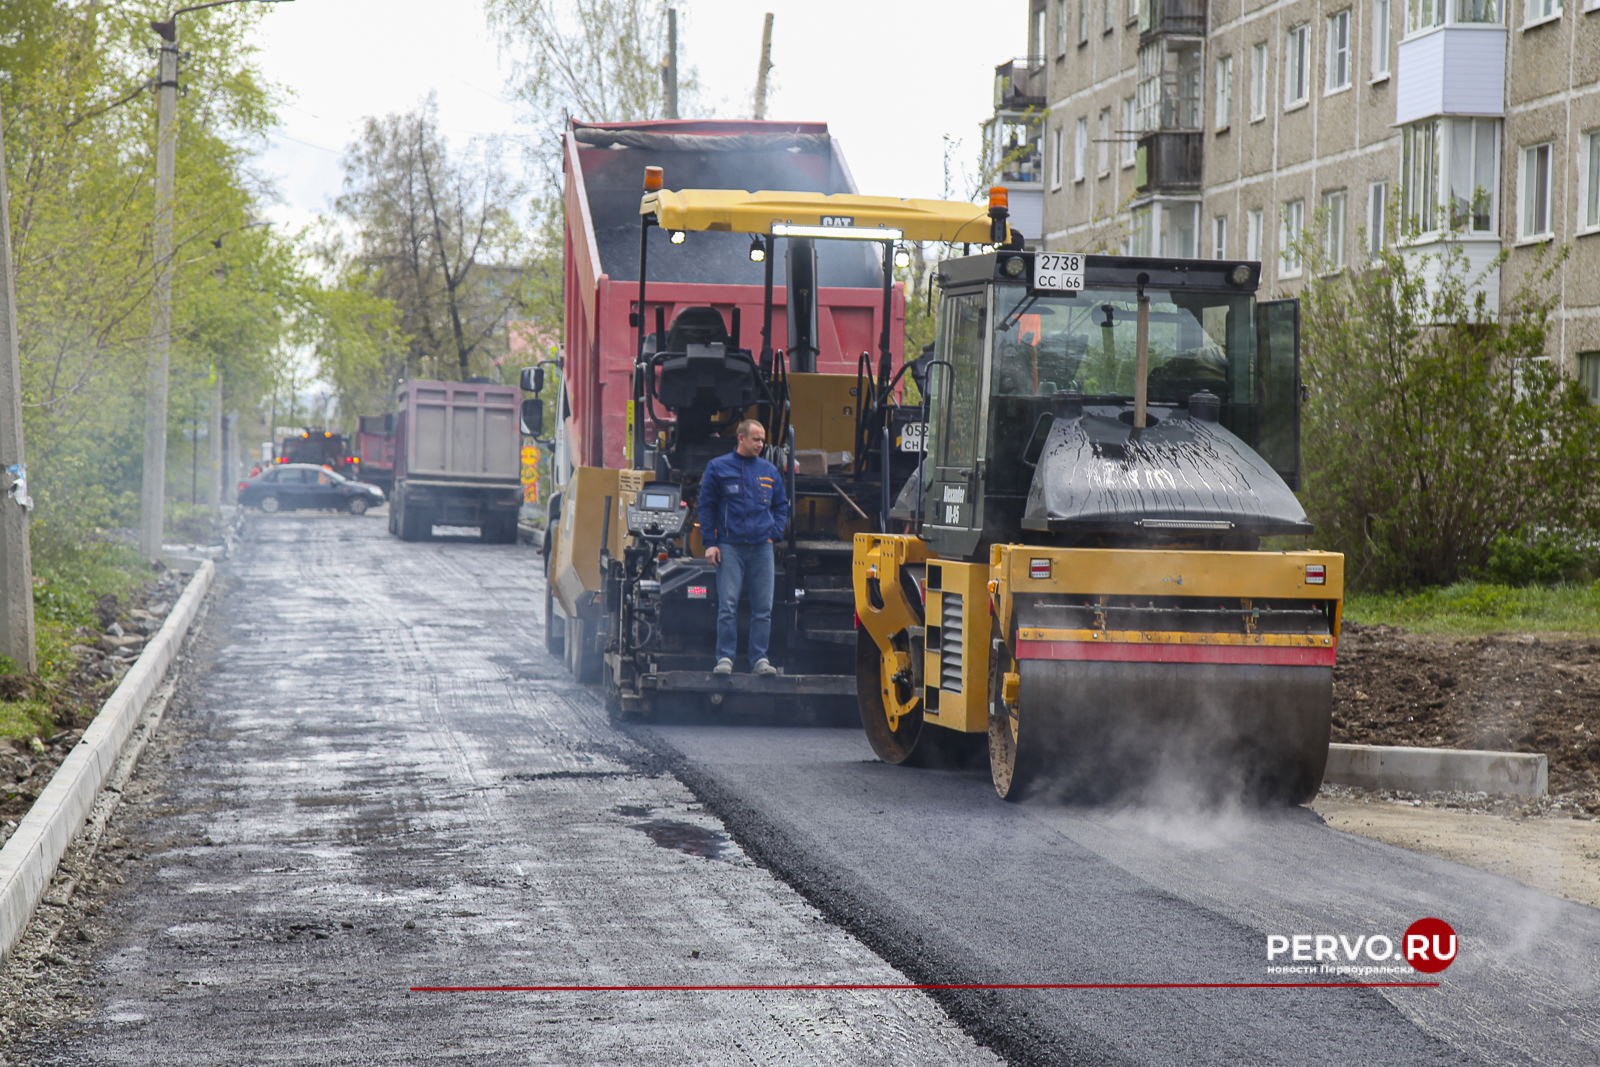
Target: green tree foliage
column 434, row 254
column 1434, row 425
column 80, row 133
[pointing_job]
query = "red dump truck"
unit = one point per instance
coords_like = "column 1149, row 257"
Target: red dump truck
column 457, row 459
column 604, row 165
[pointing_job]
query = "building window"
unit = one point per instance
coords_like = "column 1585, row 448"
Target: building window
column 1296, row 61
column 1589, row 180
column 1083, row 21
column 1419, row 176
column 1534, row 194
column 1061, row 27
column 1479, row 11
column 1133, row 10
column 1333, row 222
column 1224, row 92
column 1110, row 14
column 1381, row 17
column 1543, row 10
column 1103, row 145
column 1589, row 374
column 1473, row 163
column 1130, row 147
column 1258, row 82
column 1169, row 88
column 1294, row 226
column 1424, row 15
column 1080, row 150
column 1252, row 235
column 1055, row 158
column 1377, row 217
column 1165, row 228
column 1038, row 42
column 1219, row 237
column 1338, row 52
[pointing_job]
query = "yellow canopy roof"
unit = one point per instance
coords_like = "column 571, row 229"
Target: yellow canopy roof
column 736, row 211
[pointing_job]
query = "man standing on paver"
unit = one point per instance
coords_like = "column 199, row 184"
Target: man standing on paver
column 743, row 511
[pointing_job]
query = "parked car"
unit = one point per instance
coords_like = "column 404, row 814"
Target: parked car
column 304, row 485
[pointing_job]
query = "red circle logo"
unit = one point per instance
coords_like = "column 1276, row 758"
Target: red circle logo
column 1430, row 945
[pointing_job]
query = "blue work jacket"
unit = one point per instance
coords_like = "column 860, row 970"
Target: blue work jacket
column 742, row 501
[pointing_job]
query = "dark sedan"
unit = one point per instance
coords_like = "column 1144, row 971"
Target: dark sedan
column 287, row 486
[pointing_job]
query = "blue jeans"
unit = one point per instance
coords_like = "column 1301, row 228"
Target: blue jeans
column 749, row 568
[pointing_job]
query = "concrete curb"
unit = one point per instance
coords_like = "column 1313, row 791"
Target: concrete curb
column 30, row 857
column 1425, row 770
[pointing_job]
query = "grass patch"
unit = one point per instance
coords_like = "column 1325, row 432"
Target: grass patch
column 64, row 597
column 1481, row 608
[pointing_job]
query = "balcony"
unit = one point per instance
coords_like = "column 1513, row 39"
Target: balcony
column 1019, row 84
column 1169, row 162
column 1186, row 18
column 1457, row 69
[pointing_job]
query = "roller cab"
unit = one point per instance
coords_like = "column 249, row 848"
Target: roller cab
column 1081, row 580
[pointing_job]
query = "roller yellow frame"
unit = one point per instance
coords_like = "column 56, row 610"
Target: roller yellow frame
column 981, row 600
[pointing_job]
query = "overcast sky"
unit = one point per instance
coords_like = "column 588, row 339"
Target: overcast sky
column 890, row 79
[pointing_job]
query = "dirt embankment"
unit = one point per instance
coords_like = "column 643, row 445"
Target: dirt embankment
column 1505, row 692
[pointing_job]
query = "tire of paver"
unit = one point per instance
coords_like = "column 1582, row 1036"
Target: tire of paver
column 554, row 626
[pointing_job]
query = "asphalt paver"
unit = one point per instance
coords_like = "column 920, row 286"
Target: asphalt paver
column 382, row 783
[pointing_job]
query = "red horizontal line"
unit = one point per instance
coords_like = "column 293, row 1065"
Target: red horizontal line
column 858, row 987
column 1263, row 655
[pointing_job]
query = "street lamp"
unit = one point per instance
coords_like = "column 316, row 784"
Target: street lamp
column 152, row 494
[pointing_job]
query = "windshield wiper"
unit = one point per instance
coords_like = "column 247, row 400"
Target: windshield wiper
column 1016, row 314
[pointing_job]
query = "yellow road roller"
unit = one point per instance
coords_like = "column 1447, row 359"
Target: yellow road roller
column 1078, row 575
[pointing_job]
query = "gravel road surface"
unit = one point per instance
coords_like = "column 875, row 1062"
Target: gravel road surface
column 383, row 782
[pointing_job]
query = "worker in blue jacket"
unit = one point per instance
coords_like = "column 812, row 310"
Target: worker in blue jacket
column 743, row 512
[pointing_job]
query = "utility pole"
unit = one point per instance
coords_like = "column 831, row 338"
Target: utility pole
column 764, row 69
column 16, row 562
column 214, row 493
column 153, row 492
column 669, row 70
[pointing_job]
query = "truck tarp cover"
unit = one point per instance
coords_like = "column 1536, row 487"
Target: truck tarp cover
column 613, row 162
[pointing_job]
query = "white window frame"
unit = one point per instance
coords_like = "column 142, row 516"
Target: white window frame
column 1588, row 220
column 1080, row 149
column 1061, row 28
column 1133, row 10
column 1527, row 198
column 1219, row 237
column 1110, row 14
column 1291, row 226
column 1224, row 93
column 1377, row 217
column 1254, row 234
column 1259, row 61
column 1083, row 22
column 1340, row 53
column 1039, row 42
column 1335, row 221
column 1296, row 64
column 1382, row 29
column 1130, row 119
column 1057, row 155
column 1589, row 375
column 1102, row 153
column 1539, row 12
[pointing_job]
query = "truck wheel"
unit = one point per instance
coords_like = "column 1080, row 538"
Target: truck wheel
column 554, row 625
column 416, row 524
column 357, row 505
column 269, row 503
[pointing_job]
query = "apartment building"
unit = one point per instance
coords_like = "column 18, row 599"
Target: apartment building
column 1219, row 128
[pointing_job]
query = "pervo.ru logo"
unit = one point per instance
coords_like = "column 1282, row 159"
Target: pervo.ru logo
column 1428, row 945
